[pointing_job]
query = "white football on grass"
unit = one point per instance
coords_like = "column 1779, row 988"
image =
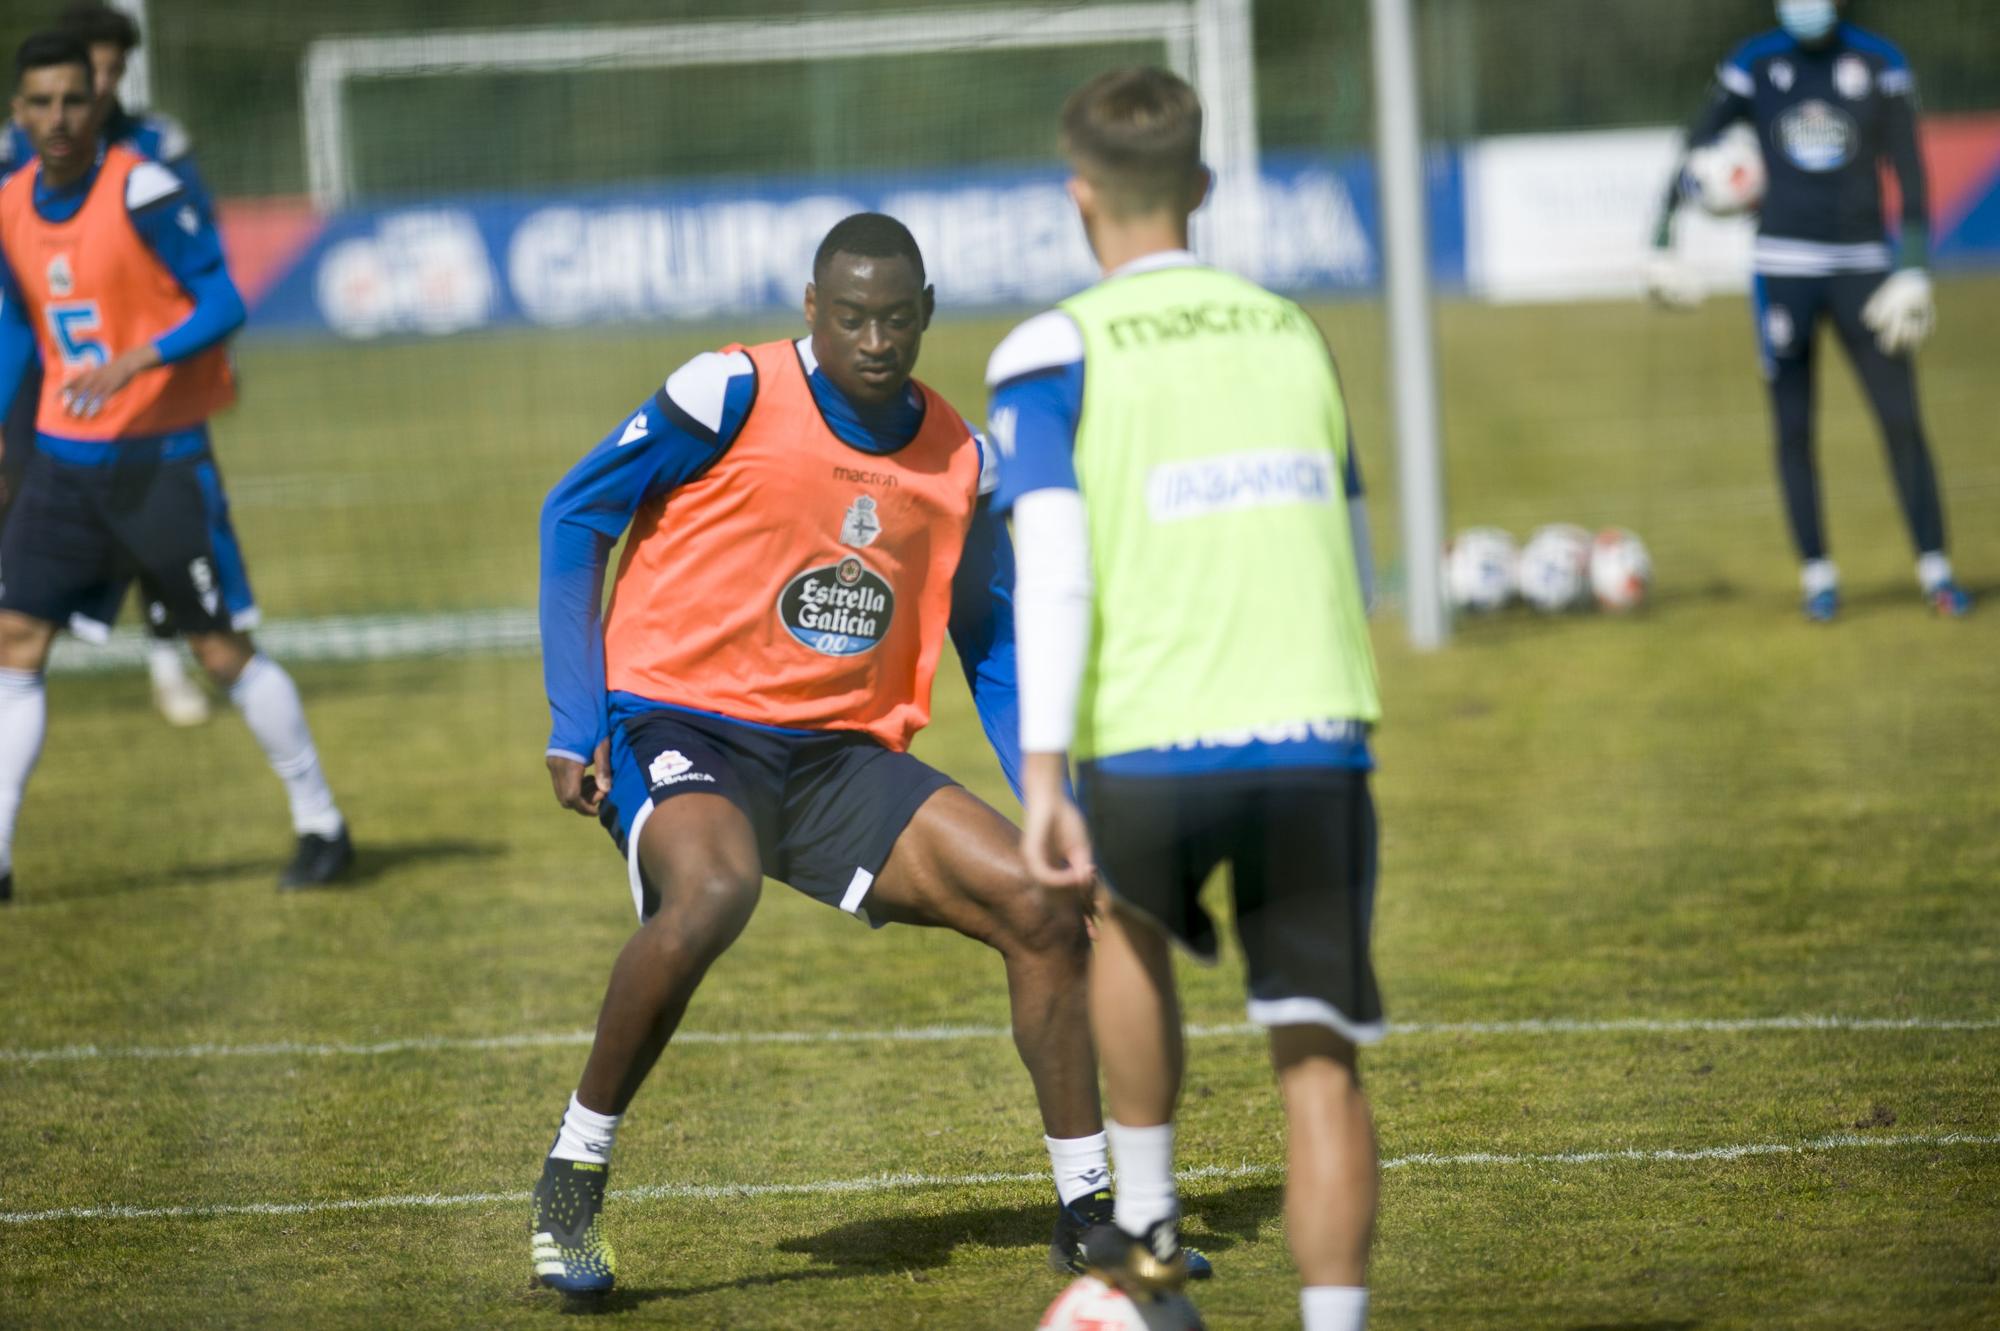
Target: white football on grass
column 1555, row 568
column 1091, row 1305
column 1620, row 569
column 1479, row 569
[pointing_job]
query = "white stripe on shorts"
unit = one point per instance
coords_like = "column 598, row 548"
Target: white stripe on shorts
column 632, row 859
column 857, row 888
column 1269, row 1012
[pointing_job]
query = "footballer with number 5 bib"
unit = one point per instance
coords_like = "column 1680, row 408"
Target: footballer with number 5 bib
column 807, row 522
column 118, row 278
column 1830, row 103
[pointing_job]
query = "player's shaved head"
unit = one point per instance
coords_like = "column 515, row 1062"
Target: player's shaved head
column 869, row 236
column 1135, row 135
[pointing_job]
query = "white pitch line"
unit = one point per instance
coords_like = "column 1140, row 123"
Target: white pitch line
column 83, row 1053
column 907, row 1182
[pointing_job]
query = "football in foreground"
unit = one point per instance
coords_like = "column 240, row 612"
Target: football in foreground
column 1089, row 1304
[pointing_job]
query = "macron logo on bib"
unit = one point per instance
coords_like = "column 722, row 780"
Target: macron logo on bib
column 1176, row 491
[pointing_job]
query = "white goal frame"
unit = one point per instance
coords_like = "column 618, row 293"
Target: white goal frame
column 1206, row 41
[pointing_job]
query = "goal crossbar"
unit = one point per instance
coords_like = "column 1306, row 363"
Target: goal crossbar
column 1206, row 41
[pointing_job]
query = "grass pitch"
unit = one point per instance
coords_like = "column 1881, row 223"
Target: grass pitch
column 1622, row 828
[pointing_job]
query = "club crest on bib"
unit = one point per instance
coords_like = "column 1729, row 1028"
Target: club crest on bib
column 62, row 281
column 1817, row 136
column 861, row 525
column 838, row 609
column 1850, row 77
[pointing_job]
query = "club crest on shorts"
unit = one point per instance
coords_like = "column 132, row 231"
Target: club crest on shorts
column 838, row 609
column 861, row 525
column 672, row 767
column 1782, row 75
column 1778, row 328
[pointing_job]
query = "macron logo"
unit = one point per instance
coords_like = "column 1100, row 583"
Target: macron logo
column 635, row 430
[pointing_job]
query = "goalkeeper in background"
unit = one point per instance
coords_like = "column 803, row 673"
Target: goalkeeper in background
column 1830, row 102
column 1189, row 605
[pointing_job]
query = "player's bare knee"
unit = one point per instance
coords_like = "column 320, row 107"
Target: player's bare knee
column 1042, row 923
column 24, row 641
column 702, row 912
column 222, row 655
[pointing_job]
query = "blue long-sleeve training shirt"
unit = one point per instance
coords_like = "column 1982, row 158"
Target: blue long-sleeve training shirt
column 672, row 438
column 179, row 233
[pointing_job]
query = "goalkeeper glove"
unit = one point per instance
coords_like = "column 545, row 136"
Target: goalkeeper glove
column 1671, row 283
column 1901, row 313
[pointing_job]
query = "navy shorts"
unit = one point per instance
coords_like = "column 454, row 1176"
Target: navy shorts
column 1300, row 845
column 827, row 807
column 78, row 535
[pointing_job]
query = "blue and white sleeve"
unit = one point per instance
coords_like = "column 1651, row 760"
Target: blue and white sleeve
column 1036, row 377
column 982, row 624
column 672, row 438
column 180, row 232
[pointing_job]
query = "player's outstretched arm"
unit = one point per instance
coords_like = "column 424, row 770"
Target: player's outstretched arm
column 1902, row 312
column 1669, row 281
column 982, row 630
column 669, row 440
column 17, row 341
column 1053, row 594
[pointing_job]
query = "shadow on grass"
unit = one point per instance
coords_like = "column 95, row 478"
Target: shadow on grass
column 1636, row 1326
column 372, row 861
column 907, row 1244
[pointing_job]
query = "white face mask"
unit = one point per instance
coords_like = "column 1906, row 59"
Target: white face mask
column 1807, row 20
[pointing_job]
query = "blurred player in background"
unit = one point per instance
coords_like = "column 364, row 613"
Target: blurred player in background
column 1172, row 444
column 1830, row 102
column 116, row 273
column 806, row 523
column 111, row 37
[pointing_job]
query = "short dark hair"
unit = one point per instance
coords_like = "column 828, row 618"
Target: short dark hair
column 1136, row 134
column 91, row 23
column 869, row 236
column 45, row 50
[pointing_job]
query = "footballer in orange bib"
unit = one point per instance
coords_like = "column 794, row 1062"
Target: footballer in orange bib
column 805, row 523
column 111, row 276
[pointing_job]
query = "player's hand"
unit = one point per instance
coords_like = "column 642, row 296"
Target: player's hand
column 85, row 395
column 1901, row 313
column 1671, row 283
column 579, row 788
column 1054, row 842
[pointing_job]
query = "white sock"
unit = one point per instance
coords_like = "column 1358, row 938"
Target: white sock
column 269, row 701
column 586, row 1135
column 1818, row 575
column 24, row 717
column 1933, row 569
column 1334, row 1307
column 163, row 663
column 1145, row 1160
column 1080, row 1165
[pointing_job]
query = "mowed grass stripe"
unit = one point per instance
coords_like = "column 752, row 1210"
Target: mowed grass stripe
column 83, row 1053
column 904, row 1182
